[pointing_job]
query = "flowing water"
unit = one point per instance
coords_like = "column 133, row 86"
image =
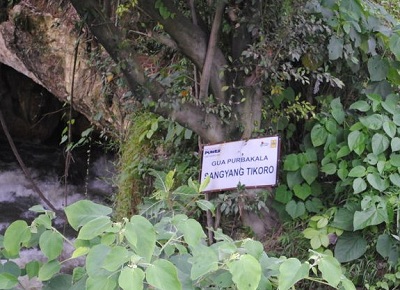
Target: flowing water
column 88, row 180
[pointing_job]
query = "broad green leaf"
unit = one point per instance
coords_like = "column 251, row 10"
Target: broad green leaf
column 343, row 151
column 391, row 103
column 347, row 284
column 206, row 205
column 204, row 184
column 8, row 281
column 358, row 171
column 142, row 232
column 350, row 246
column 11, row 268
column 359, row 185
column 318, row 135
column 370, row 217
column 131, row 278
column 395, row 179
column 254, row 248
column 51, row 244
column 83, row 211
column 295, row 209
column 361, row 106
column 331, row 270
column 192, row 230
column 395, row 159
column 117, row 257
column 344, row 219
column 95, row 261
column 294, row 178
column 163, row 275
column 204, row 261
column 94, row 228
column 48, row 270
column 282, row 194
column 290, row 272
column 394, row 44
column 337, row 111
column 32, row 269
column 16, row 234
column 101, row 282
column 384, row 244
column 378, row 68
column 246, row 272
column 335, row 48
column 395, row 144
column 379, row 143
column 356, row 142
column 377, row 182
column 329, row 168
column 80, row 251
column 302, row 191
column 60, row 282
column 372, row 122
column 309, row 172
column 291, row 163
column 390, row 128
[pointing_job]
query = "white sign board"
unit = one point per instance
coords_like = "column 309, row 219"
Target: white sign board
column 251, row 163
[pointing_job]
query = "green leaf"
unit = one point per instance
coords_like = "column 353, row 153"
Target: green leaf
column 384, row 244
column 290, row 272
column 390, row 128
column 51, row 244
column 117, row 257
column 343, row 151
column 374, row 215
column 361, row 106
column 32, row 269
column 359, row 185
column 94, row 228
column 309, row 172
column 337, row 111
column 395, row 179
column 192, row 231
column 375, row 180
column 246, row 272
column 95, row 261
column 378, row 68
column 48, row 270
column 372, row 122
column 16, row 234
column 329, row 168
column 294, row 178
column 350, row 246
column 206, row 205
column 331, row 270
column 204, row 261
column 356, row 142
column 142, row 236
column 282, row 194
column 291, row 163
column 131, row 278
column 318, row 135
column 83, row 211
column 335, row 48
column 7, row 281
column 395, row 144
column 394, row 45
column 295, row 209
column 394, row 160
column 358, row 171
column 379, row 143
column 344, row 219
column 163, row 275
column 101, row 282
column 302, row 191
column 391, row 103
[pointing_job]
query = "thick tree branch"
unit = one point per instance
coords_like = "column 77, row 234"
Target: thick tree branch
column 208, row 126
column 212, row 45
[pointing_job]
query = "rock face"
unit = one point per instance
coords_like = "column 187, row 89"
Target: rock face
column 40, row 39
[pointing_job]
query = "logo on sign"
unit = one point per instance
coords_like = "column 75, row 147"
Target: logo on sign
column 212, row 152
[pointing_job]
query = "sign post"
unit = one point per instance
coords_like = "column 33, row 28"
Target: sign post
column 251, row 163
